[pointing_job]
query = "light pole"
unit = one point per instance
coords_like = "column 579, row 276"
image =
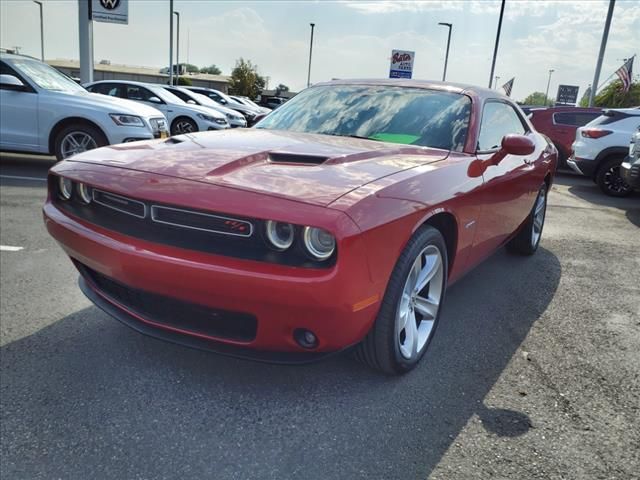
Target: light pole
column 546, row 95
column 446, row 57
column 41, row 31
column 177, row 14
column 603, row 46
column 170, row 42
column 495, row 49
column 310, row 52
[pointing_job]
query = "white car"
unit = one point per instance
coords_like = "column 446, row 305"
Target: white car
column 45, row 112
column 223, row 99
column 250, row 103
column 601, row 146
column 234, row 118
column 182, row 117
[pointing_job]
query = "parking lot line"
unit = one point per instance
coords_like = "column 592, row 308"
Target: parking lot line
column 9, row 248
column 18, row 177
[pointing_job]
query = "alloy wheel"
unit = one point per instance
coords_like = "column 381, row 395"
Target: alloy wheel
column 614, row 182
column 419, row 303
column 539, row 213
column 77, row 142
column 184, row 126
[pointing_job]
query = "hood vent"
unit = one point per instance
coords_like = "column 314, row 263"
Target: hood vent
column 295, row 158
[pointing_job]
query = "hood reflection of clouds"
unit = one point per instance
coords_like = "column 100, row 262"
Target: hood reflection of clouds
column 439, row 119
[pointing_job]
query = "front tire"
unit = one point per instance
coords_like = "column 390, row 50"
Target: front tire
column 528, row 238
column 410, row 309
column 182, row 125
column 76, row 139
column 609, row 180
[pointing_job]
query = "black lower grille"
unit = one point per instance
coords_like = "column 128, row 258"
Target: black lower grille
column 176, row 313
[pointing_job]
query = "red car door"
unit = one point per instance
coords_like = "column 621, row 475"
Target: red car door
column 508, row 190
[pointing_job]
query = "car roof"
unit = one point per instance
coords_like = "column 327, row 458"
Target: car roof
column 129, row 82
column 462, row 88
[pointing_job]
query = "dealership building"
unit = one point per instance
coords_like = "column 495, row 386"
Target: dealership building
column 107, row 71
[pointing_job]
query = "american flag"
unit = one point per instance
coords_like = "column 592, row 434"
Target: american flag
column 508, row 86
column 625, row 73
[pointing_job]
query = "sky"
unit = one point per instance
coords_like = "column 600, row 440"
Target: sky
column 352, row 39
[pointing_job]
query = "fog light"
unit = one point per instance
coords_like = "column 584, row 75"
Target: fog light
column 305, row 338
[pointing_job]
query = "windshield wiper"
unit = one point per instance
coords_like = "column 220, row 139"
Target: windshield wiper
column 353, row 136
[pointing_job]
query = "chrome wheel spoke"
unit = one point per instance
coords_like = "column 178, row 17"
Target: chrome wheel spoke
column 429, row 269
column 427, row 307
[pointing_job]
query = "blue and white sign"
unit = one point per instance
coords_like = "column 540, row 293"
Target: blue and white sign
column 401, row 64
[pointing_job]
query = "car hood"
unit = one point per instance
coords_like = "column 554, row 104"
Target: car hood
column 109, row 104
column 311, row 168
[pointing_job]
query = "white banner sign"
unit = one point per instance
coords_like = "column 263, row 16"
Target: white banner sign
column 401, row 64
column 110, row 11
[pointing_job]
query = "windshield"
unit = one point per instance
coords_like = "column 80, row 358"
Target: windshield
column 44, row 76
column 411, row 116
column 166, row 95
column 204, row 100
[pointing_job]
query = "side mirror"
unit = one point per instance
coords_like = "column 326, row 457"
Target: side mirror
column 11, row 81
column 513, row 144
column 154, row 100
column 191, row 102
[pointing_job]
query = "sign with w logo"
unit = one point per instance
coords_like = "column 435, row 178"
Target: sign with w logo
column 110, row 11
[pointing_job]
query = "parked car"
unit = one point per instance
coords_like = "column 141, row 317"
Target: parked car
column 337, row 222
column 234, row 118
column 630, row 168
column 247, row 101
column 221, row 98
column 182, row 117
column 560, row 124
column 45, row 112
column 274, row 102
column 600, row 147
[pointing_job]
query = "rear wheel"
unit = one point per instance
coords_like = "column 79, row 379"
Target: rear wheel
column 410, row 309
column 609, row 180
column 528, row 238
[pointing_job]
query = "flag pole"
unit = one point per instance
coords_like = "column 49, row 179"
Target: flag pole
column 603, row 46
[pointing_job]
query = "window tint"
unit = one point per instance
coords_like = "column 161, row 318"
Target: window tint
column 139, row 94
column 498, row 119
column 412, row 116
column 576, row 119
column 107, row 89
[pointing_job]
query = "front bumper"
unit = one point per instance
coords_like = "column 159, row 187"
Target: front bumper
column 121, row 134
column 630, row 172
column 337, row 304
column 582, row 166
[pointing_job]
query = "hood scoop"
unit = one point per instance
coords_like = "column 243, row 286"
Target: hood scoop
column 296, row 158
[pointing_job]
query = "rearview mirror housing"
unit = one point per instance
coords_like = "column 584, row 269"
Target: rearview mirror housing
column 155, row 100
column 11, row 81
column 513, row 144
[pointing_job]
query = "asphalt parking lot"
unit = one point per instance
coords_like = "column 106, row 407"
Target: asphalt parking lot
column 534, row 373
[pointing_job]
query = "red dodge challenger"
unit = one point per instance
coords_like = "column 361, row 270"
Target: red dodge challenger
column 337, row 222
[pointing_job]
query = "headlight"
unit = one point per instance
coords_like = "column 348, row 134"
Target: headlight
column 208, row 118
column 279, row 234
column 65, row 186
column 319, row 243
column 84, row 192
column 126, row 120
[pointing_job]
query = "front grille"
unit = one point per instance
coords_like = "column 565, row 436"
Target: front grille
column 208, row 232
column 175, row 313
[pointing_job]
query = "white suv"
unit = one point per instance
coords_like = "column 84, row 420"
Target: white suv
column 601, row 146
column 45, row 112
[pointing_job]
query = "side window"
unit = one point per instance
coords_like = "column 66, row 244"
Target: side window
column 575, row 119
column 139, row 94
column 498, row 119
column 181, row 95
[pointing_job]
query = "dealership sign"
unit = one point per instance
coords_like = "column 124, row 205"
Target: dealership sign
column 110, row 11
column 567, row 94
column 401, row 64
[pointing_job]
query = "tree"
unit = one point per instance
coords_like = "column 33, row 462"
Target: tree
column 245, row 80
column 613, row 96
column 538, row 98
column 211, row 70
column 186, row 81
column 280, row 89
